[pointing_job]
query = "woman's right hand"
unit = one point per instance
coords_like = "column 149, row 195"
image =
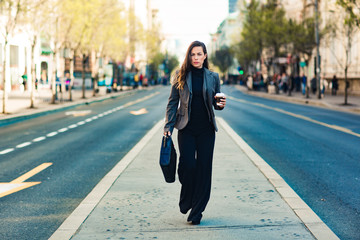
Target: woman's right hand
column 167, row 134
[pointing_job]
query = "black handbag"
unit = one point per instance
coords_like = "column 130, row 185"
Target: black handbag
column 168, row 159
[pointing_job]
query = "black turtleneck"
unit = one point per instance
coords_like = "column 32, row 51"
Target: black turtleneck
column 198, row 116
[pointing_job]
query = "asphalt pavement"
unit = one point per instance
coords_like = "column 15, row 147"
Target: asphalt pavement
column 249, row 199
column 18, row 102
column 334, row 102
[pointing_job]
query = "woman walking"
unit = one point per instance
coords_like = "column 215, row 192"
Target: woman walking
column 195, row 87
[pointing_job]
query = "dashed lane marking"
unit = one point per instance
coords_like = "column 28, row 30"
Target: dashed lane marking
column 52, row 134
column 63, row 130
column 6, row 151
column 39, row 139
column 81, row 123
column 78, row 113
column 81, row 113
column 25, row 144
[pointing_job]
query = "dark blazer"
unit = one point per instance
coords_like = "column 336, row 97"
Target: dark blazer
column 178, row 116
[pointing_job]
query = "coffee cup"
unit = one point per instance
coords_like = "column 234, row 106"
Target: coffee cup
column 219, row 96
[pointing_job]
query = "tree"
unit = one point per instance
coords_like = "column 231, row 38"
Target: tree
column 154, row 63
column 107, row 42
column 302, row 36
column 250, row 47
column 353, row 9
column 222, row 59
column 274, row 27
column 347, row 31
column 265, row 27
column 12, row 11
column 35, row 24
column 173, row 63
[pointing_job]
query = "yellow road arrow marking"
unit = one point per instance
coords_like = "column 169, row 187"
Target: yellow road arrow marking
column 139, row 112
column 19, row 184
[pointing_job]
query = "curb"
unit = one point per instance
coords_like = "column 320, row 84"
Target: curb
column 48, row 110
column 310, row 219
column 297, row 100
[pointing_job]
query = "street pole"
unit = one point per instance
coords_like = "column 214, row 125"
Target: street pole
column 317, row 39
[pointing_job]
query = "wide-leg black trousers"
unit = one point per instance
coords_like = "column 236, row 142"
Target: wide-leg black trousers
column 195, row 170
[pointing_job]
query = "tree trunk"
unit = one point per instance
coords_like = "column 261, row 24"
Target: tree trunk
column 83, row 76
column 71, row 75
column 96, row 76
column 346, row 87
column 33, row 74
column 4, row 78
column 53, row 80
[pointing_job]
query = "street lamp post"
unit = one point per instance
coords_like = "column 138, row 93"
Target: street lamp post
column 317, row 39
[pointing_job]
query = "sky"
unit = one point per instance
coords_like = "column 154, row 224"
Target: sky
column 183, row 21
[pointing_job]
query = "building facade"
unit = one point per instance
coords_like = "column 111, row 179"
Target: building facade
column 333, row 46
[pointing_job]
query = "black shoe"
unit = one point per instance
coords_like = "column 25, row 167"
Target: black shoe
column 197, row 222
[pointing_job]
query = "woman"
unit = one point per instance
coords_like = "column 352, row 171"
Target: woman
column 195, row 87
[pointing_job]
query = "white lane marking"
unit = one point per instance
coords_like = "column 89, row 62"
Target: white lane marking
column 63, row 130
column 79, row 113
column 25, row 144
column 335, row 127
column 39, row 139
column 52, row 134
column 7, row 151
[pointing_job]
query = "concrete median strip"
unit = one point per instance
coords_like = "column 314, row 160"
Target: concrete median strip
column 250, row 198
column 316, row 226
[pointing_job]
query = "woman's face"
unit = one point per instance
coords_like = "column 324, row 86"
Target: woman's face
column 197, row 57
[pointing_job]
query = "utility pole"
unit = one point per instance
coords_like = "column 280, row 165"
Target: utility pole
column 132, row 30
column 317, row 39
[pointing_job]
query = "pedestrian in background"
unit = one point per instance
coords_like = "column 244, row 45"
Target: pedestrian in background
column 313, row 84
column 303, row 84
column 334, row 85
column 284, row 82
column 195, row 87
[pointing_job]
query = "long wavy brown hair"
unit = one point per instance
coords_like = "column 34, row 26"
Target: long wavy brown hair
column 180, row 77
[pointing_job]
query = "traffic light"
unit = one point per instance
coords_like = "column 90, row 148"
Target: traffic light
column 241, row 70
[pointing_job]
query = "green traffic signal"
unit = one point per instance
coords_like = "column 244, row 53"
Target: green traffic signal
column 241, row 72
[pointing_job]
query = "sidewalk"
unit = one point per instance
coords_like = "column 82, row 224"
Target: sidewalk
column 249, row 200
column 18, row 103
column 328, row 101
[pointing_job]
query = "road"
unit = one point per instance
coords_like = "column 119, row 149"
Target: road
column 82, row 144
column 315, row 150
